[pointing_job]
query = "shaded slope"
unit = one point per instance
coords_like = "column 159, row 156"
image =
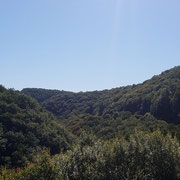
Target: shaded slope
column 25, row 128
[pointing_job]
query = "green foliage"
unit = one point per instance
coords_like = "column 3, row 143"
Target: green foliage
column 6, row 174
column 142, row 156
column 123, row 133
column 159, row 96
column 25, row 128
column 40, row 94
column 42, row 169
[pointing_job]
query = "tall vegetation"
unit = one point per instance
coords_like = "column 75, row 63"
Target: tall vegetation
column 26, row 128
column 131, row 132
column 159, row 96
column 141, row 156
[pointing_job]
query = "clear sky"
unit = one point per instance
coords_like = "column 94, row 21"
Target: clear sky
column 81, row 45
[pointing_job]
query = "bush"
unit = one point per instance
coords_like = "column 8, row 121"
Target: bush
column 142, row 156
column 43, row 169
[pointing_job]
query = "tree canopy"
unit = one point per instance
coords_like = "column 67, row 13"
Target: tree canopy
column 26, row 128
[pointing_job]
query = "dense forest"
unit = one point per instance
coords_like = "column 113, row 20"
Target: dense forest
column 26, row 128
column 107, row 111
column 125, row 133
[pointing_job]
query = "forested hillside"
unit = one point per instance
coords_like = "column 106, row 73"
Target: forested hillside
column 26, row 128
column 131, row 132
column 109, row 111
column 159, row 96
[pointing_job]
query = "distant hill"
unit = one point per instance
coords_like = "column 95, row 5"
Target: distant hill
column 159, row 96
column 26, row 128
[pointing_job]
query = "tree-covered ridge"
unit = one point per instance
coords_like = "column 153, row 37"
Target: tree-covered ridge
column 159, row 96
column 131, row 132
column 26, row 128
column 63, row 103
column 40, row 94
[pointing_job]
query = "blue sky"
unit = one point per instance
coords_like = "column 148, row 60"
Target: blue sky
column 84, row 45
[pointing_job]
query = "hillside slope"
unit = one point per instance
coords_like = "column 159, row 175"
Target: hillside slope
column 159, row 96
column 26, row 128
